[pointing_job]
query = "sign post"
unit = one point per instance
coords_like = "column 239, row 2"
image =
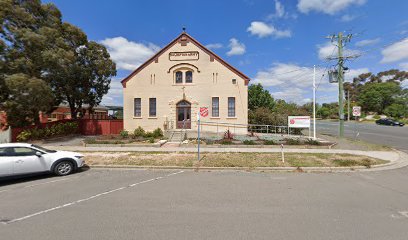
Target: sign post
column 356, row 115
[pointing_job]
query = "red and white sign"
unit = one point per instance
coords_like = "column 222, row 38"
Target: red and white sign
column 299, row 121
column 356, row 111
column 204, row 111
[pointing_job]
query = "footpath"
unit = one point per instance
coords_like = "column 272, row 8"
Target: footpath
column 397, row 159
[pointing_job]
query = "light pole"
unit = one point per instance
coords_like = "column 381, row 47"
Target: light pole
column 314, row 102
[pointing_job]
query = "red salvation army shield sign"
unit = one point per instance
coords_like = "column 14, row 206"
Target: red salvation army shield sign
column 203, row 111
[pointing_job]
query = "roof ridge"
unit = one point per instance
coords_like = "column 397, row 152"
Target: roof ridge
column 197, row 43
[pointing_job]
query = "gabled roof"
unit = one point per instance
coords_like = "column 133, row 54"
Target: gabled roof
column 187, row 37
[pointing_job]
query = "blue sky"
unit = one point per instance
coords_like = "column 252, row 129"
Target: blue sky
column 274, row 42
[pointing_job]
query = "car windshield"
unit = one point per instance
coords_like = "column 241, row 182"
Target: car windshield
column 44, row 149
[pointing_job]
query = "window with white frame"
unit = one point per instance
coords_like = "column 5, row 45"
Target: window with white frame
column 152, row 107
column 215, row 110
column 137, row 107
column 231, row 107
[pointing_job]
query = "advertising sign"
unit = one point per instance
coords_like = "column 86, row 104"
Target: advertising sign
column 204, row 111
column 356, row 111
column 299, row 121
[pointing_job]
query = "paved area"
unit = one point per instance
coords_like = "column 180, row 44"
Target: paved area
column 396, row 137
column 145, row 204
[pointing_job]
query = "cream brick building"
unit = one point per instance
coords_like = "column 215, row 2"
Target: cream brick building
column 183, row 78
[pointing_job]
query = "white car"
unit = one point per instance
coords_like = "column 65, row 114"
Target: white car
column 24, row 158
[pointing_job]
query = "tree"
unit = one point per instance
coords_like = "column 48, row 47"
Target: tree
column 28, row 96
column 375, row 97
column 259, row 97
column 396, row 110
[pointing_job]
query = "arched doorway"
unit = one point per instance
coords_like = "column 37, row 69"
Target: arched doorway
column 183, row 114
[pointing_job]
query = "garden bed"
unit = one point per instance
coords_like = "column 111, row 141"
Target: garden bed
column 243, row 160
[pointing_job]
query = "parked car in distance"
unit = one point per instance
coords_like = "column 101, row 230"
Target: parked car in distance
column 389, row 122
column 24, row 158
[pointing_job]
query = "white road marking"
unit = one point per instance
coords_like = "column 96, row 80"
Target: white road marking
column 38, row 184
column 86, row 199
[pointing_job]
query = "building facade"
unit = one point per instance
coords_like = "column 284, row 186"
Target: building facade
column 179, row 82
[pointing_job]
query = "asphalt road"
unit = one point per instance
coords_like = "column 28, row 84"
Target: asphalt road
column 146, row 204
column 396, row 137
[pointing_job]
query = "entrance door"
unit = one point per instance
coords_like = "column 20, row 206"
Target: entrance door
column 184, row 115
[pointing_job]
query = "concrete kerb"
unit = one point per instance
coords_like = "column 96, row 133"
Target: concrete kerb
column 397, row 159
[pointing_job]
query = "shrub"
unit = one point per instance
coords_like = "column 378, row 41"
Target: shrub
column 269, row 142
column 139, row 132
column 312, row 142
column 151, row 140
column 157, row 133
column 226, row 142
column 51, row 131
column 228, row 135
column 148, row 135
column 292, row 141
column 124, row 134
column 248, row 142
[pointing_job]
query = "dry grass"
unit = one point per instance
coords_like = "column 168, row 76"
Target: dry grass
column 247, row 160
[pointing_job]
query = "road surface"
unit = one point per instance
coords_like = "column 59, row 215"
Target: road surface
column 396, row 137
column 144, row 204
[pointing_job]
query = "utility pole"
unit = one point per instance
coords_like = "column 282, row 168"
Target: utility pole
column 314, row 102
column 340, row 75
column 348, row 105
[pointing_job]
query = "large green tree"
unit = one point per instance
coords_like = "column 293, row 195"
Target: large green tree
column 28, row 96
column 35, row 42
column 259, row 97
column 375, row 97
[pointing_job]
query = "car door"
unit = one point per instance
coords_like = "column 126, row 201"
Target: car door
column 6, row 163
column 26, row 161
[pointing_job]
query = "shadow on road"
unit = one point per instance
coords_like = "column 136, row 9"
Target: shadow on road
column 6, row 181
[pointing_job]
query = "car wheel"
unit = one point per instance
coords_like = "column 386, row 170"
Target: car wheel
column 64, row 168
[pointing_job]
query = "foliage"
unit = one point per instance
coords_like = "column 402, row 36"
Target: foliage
column 124, row 134
column 157, row 133
column 139, row 132
column 270, row 142
column 375, row 97
column 151, row 140
column 58, row 129
column 396, row 110
column 292, row 141
column 37, row 44
column 27, row 97
column 258, row 97
column 225, row 142
column 312, row 142
column 228, row 135
column 249, row 142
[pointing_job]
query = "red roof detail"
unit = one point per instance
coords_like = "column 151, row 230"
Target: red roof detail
column 202, row 47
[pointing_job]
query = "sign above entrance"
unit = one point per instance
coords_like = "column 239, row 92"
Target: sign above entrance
column 182, row 56
column 204, row 111
column 299, row 121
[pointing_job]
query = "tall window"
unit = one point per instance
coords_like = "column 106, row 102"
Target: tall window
column 189, row 77
column 152, row 107
column 215, row 107
column 179, row 77
column 137, row 107
column 231, row 107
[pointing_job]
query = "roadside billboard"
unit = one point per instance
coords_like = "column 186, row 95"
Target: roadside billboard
column 299, row 121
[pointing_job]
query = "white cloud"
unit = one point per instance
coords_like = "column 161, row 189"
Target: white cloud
column 115, row 94
column 279, row 9
column 326, row 6
column 214, row 46
column 347, row 18
column 292, row 82
column 367, row 42
column 328, row 50
column 236, row 48
column 262, row 29
column 395, row 52
column 129, row 55
column 404, row 66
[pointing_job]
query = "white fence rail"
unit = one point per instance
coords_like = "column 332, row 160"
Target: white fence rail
column 5, row 136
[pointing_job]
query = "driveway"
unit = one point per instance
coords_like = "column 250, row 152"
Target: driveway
column 147, row 204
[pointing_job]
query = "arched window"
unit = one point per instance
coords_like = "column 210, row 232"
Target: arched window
column 179, row 77
column 189, row 77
